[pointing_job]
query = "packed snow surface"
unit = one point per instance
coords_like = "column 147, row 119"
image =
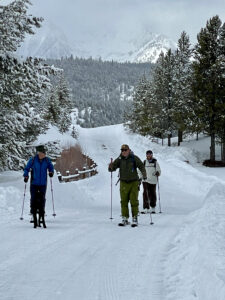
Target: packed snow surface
column 84, row 255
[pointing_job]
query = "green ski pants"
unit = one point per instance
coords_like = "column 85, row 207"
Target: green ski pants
column 129, row 192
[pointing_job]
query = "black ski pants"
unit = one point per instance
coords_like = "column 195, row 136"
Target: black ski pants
column 37, row 201
column 149, row 195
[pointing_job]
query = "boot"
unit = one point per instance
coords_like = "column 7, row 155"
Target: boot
column 43, row 220
column 153, row 210
column 124, row 221
column 134, row 221
column 35, row 220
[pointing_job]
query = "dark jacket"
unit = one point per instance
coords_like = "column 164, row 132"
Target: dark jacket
column 128, row 167
column 39, row 170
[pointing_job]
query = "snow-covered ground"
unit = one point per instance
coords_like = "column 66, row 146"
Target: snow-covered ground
column 83, row 255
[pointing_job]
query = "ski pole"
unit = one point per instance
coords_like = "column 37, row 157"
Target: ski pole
column 111, row 193
column 117, row 181
column 24, row 194
column 54, row 214
column 151, row 222
column 160, row 211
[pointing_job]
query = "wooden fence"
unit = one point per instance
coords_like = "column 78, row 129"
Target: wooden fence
column 78, row 174
column 155, row 140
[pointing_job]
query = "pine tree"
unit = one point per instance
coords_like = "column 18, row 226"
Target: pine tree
column 21, row 85
column 221, row 98
column 64, row 99
column 14, row 24
column 182, row 86
column 153, row 103
column 208, row 77
column 163, row 94
column 52, row 109
column 74, row 133
column 138, row 116
column 157, row 118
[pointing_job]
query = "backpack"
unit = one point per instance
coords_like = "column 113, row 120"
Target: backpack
column 133, row 161
column 133, row 169
column 154, row 160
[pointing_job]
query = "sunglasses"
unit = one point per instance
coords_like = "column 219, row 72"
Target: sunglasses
column 124, row 150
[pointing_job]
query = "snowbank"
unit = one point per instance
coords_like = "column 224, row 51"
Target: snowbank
column 195, row 264
column 53, row 134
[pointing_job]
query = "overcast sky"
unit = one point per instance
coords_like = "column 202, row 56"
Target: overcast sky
column 169, row 17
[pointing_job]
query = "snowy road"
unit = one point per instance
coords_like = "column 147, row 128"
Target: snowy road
column 82, row 254
column 87, row 256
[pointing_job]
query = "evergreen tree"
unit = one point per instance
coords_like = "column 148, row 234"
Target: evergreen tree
column 157, row 118
column 52, row 109
column 104, row 88
column 221, row 98
column 74, row 133
column 21, row 86
column 14, row 24
column 138, row 116
column 164, row 94
column 153, row 103
column 182, row 86
column 65, row 104
column 208, row 84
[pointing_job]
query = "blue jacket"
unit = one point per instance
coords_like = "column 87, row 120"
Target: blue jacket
column 39, row 170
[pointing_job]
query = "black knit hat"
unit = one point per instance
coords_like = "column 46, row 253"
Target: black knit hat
column 149, row 152
column 41, row 148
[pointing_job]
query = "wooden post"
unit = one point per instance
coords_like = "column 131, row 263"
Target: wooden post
column 84, row 174
column 67, row 174
column 59, row 176
column 77, row 172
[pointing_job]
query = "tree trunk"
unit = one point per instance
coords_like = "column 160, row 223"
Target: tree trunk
column 223, row 152
column 212, row 148
column 196, row 136
column 180, row 136
column 223, row 145
column 169, row 139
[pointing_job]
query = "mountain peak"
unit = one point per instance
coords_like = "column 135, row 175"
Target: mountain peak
column 51, row 42
column 152, row 49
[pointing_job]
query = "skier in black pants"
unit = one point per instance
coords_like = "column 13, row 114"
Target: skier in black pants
column 38, row 166
column 149, row 185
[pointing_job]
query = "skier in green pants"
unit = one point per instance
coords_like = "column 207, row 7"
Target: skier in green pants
column 128, row 163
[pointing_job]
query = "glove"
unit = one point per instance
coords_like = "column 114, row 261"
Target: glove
column 26, row 179
column 157, row 173
column 139, row 183
column 110, row 166
column 50, row 174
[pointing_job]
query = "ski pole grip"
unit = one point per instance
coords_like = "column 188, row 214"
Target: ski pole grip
column 110, row 165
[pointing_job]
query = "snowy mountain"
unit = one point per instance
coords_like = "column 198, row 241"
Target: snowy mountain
column 152, row 49
column 48, row 42
column 145, row 47
column 51, row 42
